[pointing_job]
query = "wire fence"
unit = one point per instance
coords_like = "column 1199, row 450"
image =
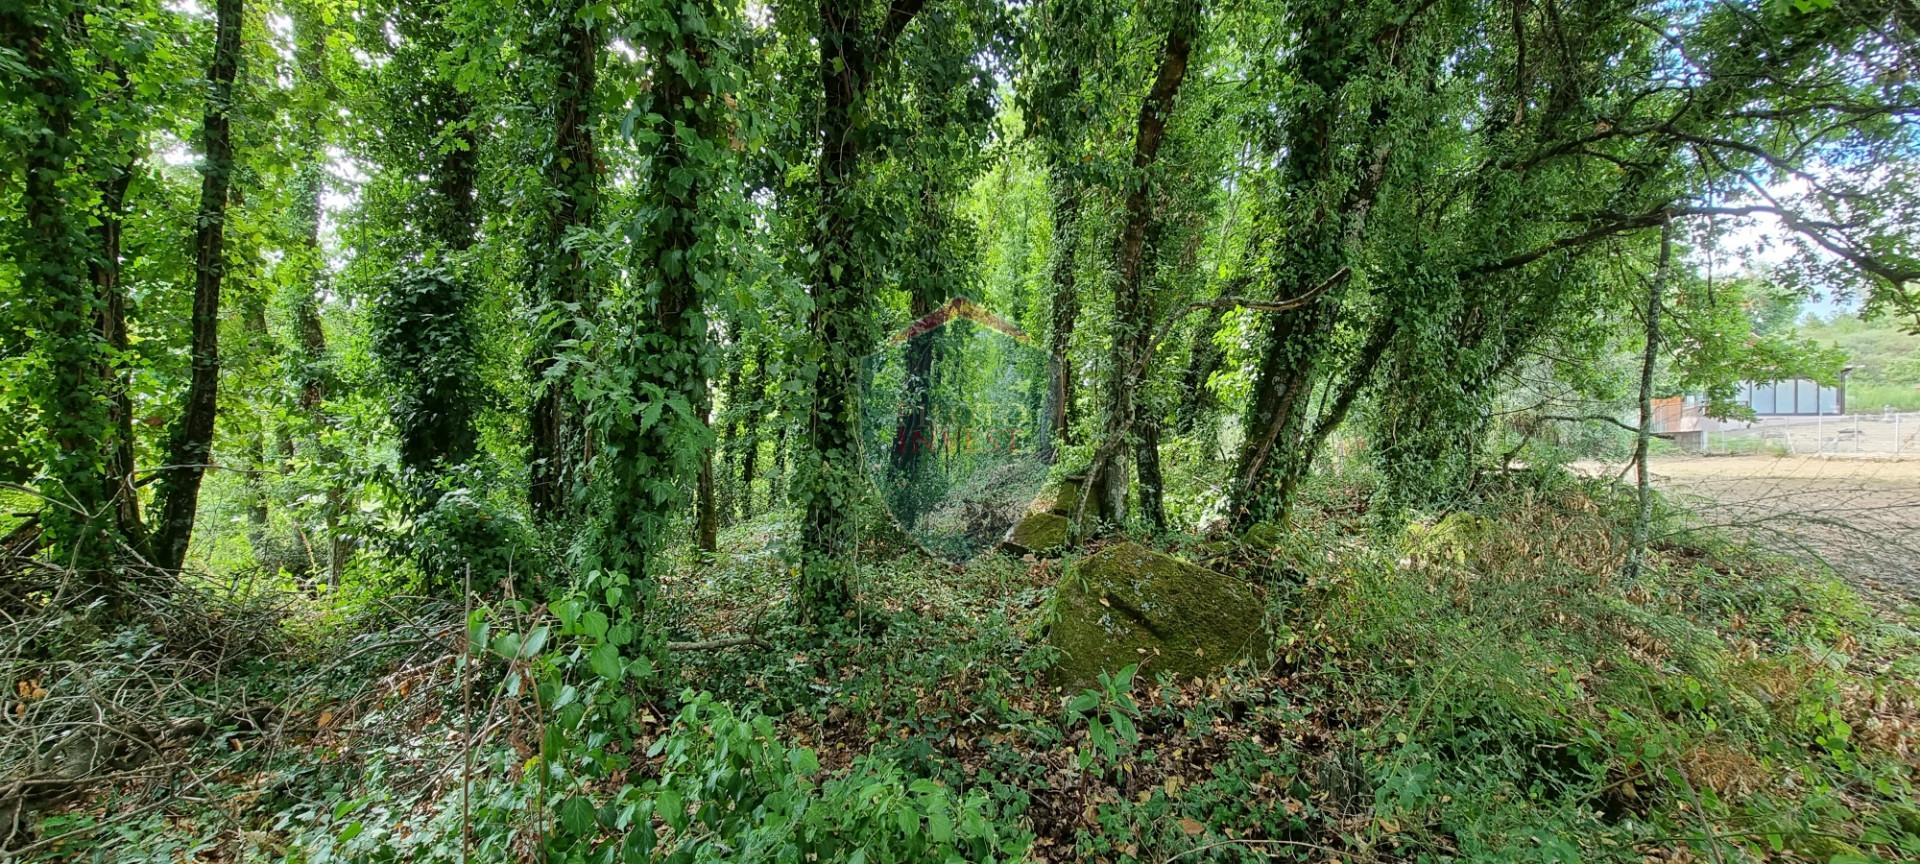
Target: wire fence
column 1888, row 433
column 1854, row 511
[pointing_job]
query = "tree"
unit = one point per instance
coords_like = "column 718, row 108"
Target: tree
column 311, row 371
column 1133, row 318
column 53, row 262
column 653, row 429
column 190, row 446
column 850, row 57
column 423, row 322
column 566, row 51
column 1332, row 167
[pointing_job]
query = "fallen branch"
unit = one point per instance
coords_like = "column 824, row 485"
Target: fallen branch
column 718, row 642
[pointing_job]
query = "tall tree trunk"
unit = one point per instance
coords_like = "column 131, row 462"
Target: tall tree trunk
column 112, row 300
column 754, row 406
column 1064, row 303
column 1649, row 360
column 777, row 478
column 560, row 274
column 706, row 526
column 1297, row 341
column 190, row 448
column 706, row 509
column 725, row 494
column 311, row 375
column 840, row 320
column 53, row 267
column 1359, row 375
column 1132, row 313
column 1203, row 359
column 837, row 324
column 670, row 358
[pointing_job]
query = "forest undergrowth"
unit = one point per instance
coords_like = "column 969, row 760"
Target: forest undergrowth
column 1477, row 687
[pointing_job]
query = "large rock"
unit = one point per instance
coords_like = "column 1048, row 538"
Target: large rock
column 1044, row 530
column 1129, row 604
column 1039, row 534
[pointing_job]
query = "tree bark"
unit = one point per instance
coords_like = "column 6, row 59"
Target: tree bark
column 753, row 408
column 1203, row 359
column 560, row 274
column 706, row 512
column 112, row 300
column 1065, row 309
column 670, row 359
column 1132, row 313
column 53, row 267
column 1649, row 357
column 839, row 322
column 312, row 376
column 190, row 448
column 726, row 496
column 1277, row 429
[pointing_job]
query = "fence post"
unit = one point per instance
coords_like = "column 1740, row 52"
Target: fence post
column 1896, row 433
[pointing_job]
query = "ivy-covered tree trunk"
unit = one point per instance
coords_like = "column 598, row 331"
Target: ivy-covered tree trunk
column 1063, row 310
column 838, row 325
column 706, row 510
column 753, row 407
column 53, row 269
column 831, row 485
column 1311, row 257
column 311, row 368
column 726, row 493
column 109, row 222
column 190, row 444
column 1203, row 359
column 425, row 335
column 659, row 437
column 777, row 477
column 561, row 278
column 1132, row 313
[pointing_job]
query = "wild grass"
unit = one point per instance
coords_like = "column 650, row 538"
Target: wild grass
column 1479, row 686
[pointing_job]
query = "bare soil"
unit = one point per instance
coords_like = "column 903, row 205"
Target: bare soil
column 1858, row 515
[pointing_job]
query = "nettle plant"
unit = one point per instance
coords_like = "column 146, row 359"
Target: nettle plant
column 1108, row 711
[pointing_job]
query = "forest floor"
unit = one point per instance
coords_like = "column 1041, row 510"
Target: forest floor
column 1478, row 687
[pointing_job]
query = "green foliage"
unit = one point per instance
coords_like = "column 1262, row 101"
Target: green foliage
column 56, row 303
column 1108, row 713
column 1885, row 361
column 423, row 338
column 728, row 790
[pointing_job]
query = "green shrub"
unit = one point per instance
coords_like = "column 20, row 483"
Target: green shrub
column 729, row 790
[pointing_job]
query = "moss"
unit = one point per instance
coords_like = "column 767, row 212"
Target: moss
column 1039, row 533
column 1129, row 604
column 1066, row 496
column 1263, row 535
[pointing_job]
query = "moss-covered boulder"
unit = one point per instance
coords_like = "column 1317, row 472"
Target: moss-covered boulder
column 1065, row 499
column 1066, row 496
column 1038, row 533
column 1264, row 535
column 1129, row 604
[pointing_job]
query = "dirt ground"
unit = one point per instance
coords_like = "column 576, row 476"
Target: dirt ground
column 1858, row 515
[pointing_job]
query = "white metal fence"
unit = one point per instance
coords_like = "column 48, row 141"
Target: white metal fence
column 1888, row 433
